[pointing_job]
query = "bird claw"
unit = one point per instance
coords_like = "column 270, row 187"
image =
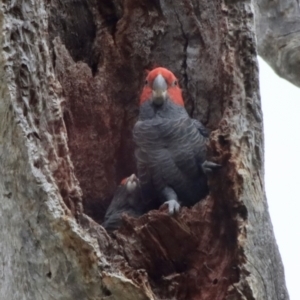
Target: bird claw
column 173, row 206
column 131, row 183
column 209, row 166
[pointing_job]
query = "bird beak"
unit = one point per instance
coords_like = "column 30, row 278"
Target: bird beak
column 159, row 90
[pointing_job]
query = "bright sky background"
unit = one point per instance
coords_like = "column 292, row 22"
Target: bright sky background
column 281, row 109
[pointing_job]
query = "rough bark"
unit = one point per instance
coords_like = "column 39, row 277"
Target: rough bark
column 278, row 36
column 71, row 73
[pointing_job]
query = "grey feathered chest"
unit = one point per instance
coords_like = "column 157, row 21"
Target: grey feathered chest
column 170, row 150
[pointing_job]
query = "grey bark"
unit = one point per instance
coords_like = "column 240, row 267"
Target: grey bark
column 71, row 72
column 278, row 36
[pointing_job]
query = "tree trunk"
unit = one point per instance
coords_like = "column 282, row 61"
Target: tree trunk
column 278, row 36
column 72, row 72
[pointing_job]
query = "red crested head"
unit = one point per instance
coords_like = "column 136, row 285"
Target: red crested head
column 161, row 83
column 130, row 183
column 124, row 181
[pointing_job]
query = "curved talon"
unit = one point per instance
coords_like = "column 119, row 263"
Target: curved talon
column 209, row 166
column 173, row 206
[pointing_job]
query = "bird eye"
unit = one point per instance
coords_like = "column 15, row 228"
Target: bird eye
column 175, row 82
column 146, row 82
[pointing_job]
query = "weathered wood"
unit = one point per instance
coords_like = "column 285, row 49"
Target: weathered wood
column 278, row 36
column 72, row 71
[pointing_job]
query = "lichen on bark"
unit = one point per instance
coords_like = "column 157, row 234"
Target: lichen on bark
column 278, row 30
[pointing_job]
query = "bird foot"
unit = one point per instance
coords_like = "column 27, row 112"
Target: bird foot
column 173, row 206
column 209, row 166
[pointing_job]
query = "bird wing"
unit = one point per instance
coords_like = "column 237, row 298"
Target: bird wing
column 202, row 129
column 168, row 152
